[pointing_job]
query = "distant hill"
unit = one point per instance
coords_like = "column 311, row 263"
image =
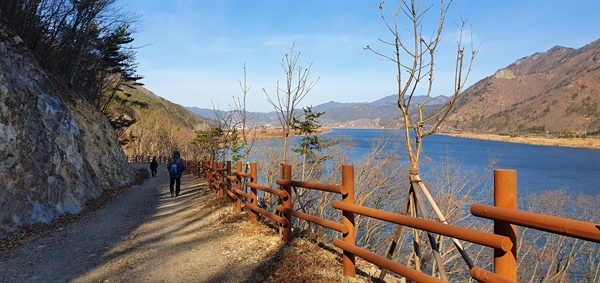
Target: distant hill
column 161, row 128
column 169, row 112
column 257, row 118
column 381, row 112
column 557, row 91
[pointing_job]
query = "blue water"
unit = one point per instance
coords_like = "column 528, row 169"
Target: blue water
column 539, row 168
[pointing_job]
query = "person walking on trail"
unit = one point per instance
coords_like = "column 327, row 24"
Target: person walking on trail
column 153, row 166
column 175, row 166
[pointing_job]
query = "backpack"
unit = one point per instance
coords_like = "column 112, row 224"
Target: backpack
column 173, row 169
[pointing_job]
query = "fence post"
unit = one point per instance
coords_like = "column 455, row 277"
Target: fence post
column 220, row 181
column 505, row 196
column 238, row 186
column 199, row 169
column 253, row 192
column 227, row 174
column 348, row 219
column 213, row 176
column 206, row 170
column 286, row 174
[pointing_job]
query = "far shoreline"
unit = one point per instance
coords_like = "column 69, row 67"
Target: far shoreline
column 588, row 143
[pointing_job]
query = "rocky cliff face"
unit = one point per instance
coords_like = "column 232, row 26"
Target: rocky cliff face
column 56, row 151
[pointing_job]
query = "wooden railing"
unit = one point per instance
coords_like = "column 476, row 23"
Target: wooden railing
column 230, row 183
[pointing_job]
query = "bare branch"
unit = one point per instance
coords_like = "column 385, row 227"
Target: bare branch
column 414, row 57
column 298, row 84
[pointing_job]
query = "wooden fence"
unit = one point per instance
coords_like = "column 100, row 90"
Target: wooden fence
column 229, row 183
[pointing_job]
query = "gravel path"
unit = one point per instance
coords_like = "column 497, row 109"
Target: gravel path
column 144, row 235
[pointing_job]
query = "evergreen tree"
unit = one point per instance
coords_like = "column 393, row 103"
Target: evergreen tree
column 312, row 147
column 213, row 142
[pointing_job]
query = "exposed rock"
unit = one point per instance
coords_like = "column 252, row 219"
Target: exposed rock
column 56, row 150
column 504, row 74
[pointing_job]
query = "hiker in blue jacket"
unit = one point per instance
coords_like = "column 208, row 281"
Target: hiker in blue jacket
column 175, row 166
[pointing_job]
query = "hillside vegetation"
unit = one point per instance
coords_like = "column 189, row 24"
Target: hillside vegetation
column 160, row 128
column 548, row 92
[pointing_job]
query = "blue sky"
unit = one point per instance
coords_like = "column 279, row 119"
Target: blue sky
column 195, row 49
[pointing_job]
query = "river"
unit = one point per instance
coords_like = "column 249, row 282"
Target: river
column 539, row 168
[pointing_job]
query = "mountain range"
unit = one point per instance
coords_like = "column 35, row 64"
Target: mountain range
column 556, row 91
column 338, row 114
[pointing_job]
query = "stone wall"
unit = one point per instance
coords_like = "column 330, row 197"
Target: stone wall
column 56, row 151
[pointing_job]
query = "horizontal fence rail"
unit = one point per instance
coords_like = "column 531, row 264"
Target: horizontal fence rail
column 242, row 187
column 314, row 186
column 473, row 236
column 557, row 225
column 386, row 263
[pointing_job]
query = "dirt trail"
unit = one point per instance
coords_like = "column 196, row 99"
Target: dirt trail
column 144, row 235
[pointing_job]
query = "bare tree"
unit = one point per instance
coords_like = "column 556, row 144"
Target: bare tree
column 248, row 132
column 415, row 63
column 297, row 85
column 414, row 57
column 226, row 130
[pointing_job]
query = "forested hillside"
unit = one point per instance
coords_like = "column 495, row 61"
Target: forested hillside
column 552, row 92
column 87, row 47
column 160, row 127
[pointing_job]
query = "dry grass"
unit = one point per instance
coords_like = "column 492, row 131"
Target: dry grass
column 271, row 133
column 303, row 261
column 589, row 142
column 231, row 217
column 215, row 201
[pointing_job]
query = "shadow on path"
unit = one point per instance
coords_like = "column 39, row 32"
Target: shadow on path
column 145, row 235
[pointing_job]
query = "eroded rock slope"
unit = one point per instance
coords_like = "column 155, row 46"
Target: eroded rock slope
column 56, row 150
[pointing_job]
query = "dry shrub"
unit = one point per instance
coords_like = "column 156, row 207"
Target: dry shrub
column 227, row 217
column 303, row 261
column 141, row 176
column 551, row 257
column 215, row 202
column 258, row 228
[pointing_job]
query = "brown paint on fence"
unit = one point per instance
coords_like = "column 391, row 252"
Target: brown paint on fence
column 503, row 213
column 314, row 186
column 561, row 226
column 286, row 174
column 226, row 176
column 314, row 219
column 238, row 186
column 349, row 238
column 253, row 192
column 482, row 238
column 505, row 196
column 398, row 268
column 485, row 276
